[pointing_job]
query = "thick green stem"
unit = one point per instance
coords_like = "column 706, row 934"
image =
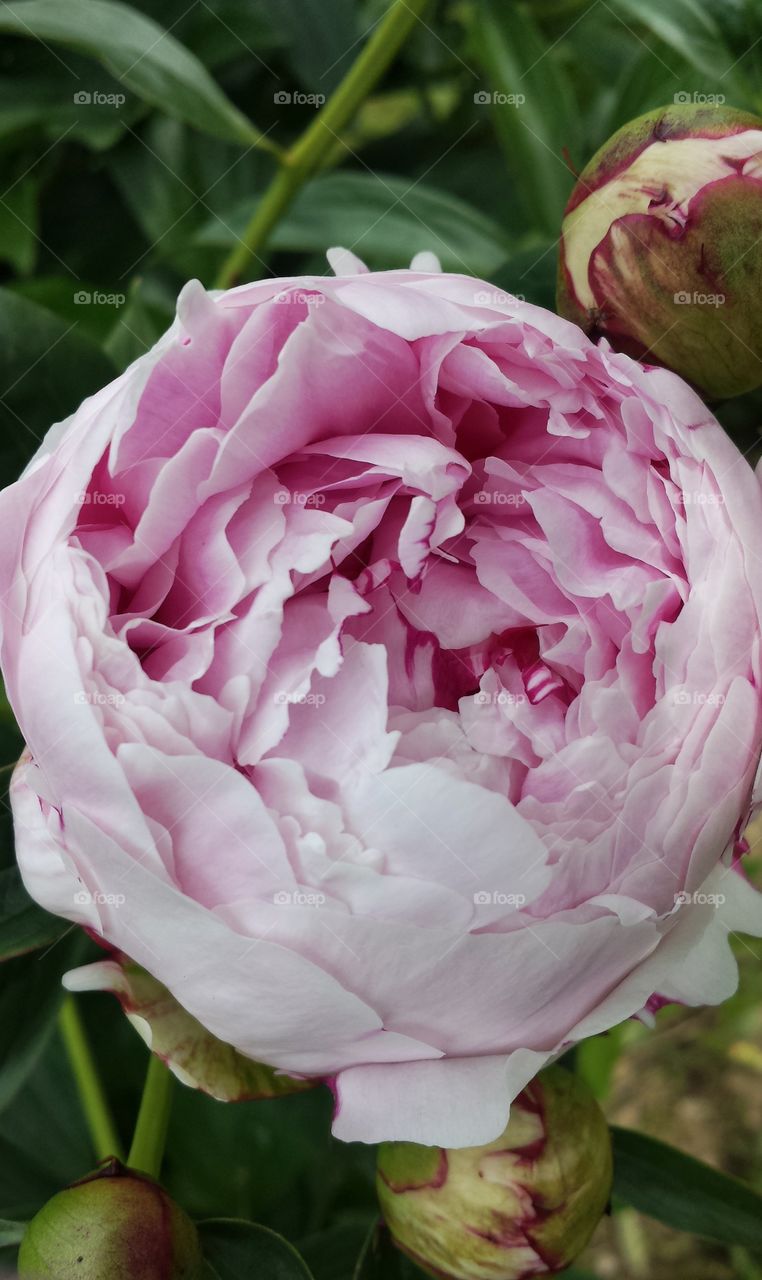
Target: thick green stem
column 149, row 1140
column 302, row 160
column 92, row 1096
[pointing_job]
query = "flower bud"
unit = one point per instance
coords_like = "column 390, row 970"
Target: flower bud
column 523, row 1205
column 661, row 247
column 115, row 1224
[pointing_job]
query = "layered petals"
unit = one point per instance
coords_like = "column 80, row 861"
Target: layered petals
column 388, row 659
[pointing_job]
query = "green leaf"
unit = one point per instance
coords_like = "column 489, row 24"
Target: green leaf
column 332, row 1254
column 30, row 996
column 47, row 367
column 18, row 225
column 385, row 220
column 11, row 1232
column 662, row 1182
column 236, row 1250
column 44, row 1144
column 137, row 327
column 59, row 293
column 147, row 60
column 43, row 103
column 173, row 181
column 533, row 108
column 257, row 1153
column 219, row 31
column 23, row 925
column 323, row 39
column 643, row 85
column 380, row 1259
column 690, row 29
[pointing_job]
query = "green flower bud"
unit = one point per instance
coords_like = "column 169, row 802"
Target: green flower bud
column 523, row 1205
column 115, row 1224
column 661, row 248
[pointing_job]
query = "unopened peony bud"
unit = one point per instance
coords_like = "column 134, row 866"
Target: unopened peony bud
column 524, row 1205
column 661, row 246
column 115, row 1224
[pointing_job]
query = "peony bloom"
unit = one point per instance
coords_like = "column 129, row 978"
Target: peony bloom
column 523, row 1205
column 388, row 660
column 661, row 248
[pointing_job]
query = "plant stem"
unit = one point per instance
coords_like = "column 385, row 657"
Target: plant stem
column 302, row 159
column 147, row 1150
column 270, row 209
column 92, row 1096
column 633, row 1244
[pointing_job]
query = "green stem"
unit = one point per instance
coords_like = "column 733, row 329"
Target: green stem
column 633, row 1243
column 149, row 1140
column 92, row 1096
column 271, row 207
column 304, row 158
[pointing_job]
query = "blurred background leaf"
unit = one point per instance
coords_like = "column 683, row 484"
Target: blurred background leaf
column 23, row 925
column 682, row 1192
column 373, row 214
column 381, row 1260
column 43, row 1140
column 322, row 39
column 30, row 997
column 693, row 30
column 47, row 366
column 533, row 105
column 145, row 58
column 236, row 1250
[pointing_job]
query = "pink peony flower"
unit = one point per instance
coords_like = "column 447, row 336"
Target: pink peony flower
column 388, row 659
